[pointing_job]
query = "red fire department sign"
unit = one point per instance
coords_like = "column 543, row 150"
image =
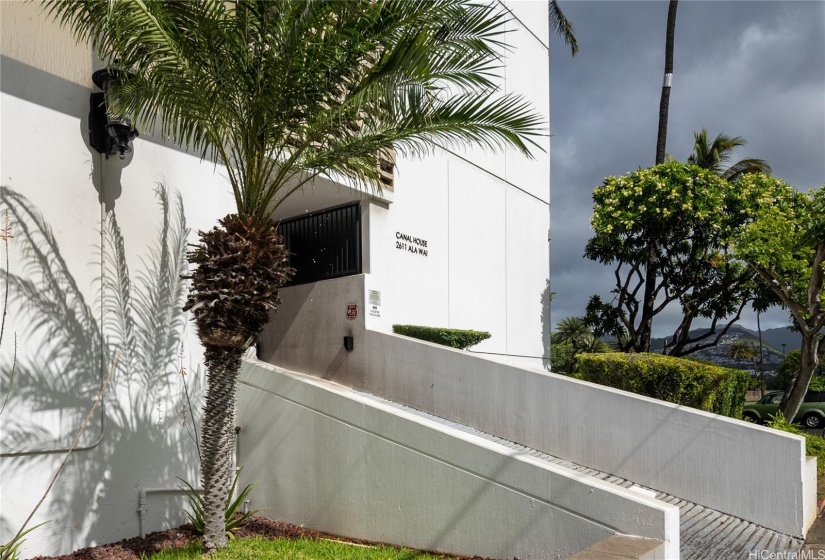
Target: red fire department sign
column 352, row 311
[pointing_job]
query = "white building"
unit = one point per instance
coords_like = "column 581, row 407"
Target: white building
column 480, row 221
column 399, row 440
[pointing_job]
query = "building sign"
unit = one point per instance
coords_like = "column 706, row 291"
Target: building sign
column 352, row 311
column 375, row 303
column 408, row 243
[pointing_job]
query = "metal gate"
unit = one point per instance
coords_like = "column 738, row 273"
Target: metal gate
column 325, row 244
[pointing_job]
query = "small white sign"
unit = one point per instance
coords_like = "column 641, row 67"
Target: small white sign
column 374, row 303
column 375, row 297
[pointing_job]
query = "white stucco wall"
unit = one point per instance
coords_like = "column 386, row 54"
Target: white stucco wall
column 343, row 463
column 48, row 168
column 486, row 261
column 692, row 454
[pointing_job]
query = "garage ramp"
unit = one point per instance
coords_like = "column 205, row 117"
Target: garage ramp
column 704, row 532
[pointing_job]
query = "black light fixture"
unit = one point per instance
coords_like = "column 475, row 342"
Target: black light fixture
column 348, row 343
column 109, row 134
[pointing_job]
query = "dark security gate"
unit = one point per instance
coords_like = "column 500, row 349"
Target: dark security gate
column 324, row 244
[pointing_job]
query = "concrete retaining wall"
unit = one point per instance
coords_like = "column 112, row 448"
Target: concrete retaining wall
column 741, row 469
column 336, row 461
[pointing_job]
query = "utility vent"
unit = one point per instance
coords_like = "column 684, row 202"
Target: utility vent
column 386, row 162
column 386, row 168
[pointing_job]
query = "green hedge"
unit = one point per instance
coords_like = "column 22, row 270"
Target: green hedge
column 686, row 382
column 454, row 338
column 563, row 359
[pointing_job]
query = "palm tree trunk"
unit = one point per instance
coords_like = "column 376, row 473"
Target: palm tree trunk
column 239, row 267
column 664, row 103
column 223, row 365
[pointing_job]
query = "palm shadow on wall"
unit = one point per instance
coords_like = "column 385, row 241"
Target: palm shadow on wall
column 139, row 437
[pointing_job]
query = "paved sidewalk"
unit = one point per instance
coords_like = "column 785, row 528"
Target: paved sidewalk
column 814, row 547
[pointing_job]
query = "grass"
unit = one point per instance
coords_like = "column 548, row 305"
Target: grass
column 293, row 549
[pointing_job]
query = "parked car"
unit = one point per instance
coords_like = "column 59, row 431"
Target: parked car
column 811, row 413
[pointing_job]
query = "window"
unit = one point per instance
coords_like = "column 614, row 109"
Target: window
column 325, row 244
column 814, row 396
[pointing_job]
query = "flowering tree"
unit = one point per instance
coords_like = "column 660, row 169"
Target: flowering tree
column 785, row 245
column 666, row 229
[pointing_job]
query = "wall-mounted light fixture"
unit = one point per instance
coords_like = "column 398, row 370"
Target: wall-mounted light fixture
column 109, row 134
column 348, row 343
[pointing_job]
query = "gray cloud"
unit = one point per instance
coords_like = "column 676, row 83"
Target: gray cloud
column 751, row 69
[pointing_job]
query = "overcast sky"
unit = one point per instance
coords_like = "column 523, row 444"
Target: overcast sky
column 750, row 69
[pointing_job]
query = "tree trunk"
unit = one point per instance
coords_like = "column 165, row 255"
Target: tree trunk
column 642, row 343
column 239, row 266
column 223, row 365
column 761, row 354
column 809, row 360
column 664, row 103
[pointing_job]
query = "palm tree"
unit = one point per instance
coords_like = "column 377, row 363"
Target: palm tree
column 574, row 337
column 649, row 296
column 280, row 93
column 592, row 344
column 716, row 154
column 575, row 332
column 741, row 350
column 664, row 102
column 571, row 330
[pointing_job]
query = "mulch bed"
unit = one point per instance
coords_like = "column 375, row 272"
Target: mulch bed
column 180, row 537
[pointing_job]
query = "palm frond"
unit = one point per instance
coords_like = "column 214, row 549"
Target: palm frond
column 562, row 26
column 714, row 155
column 744, row 166
column 233, row 515
column 267, row 86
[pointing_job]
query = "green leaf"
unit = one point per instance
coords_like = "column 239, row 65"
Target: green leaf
column 11, row 549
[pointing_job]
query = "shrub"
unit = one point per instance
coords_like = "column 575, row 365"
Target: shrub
column 454, row 338
column 686, row 382
column 814, row 444
column 563, row 359
column 232, row 516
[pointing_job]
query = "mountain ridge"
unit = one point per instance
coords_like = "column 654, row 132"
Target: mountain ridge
column 772, row 346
